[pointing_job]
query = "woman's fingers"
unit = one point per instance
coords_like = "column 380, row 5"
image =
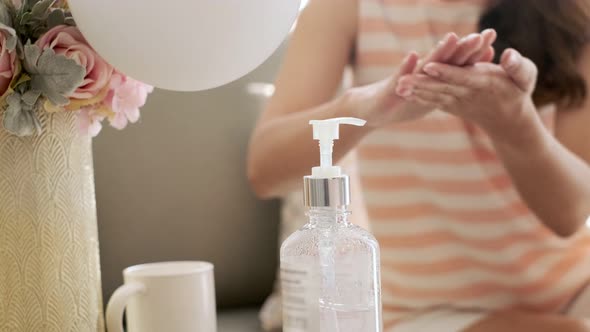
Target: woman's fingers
column 483, row 54
column 488, row 55
column 466, row 51
column 442, row 52
column 410, row 83
column 422, row 102
column 467, row 47
column 408, row 66
column 522, row 70
column 445, row 49
column 457, row 75
column 433, row 99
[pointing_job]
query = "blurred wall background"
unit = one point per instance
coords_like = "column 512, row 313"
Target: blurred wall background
column 173, row 187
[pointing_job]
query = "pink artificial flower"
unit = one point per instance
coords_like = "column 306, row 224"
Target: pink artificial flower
column 89, row 121
column 68, row 40
column 125, row 98
column 7, row 64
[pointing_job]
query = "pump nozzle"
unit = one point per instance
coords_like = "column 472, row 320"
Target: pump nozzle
column 326, row 131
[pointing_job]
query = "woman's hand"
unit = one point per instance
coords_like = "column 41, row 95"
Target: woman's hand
column 498, row 99
column 379, row 103
column 495, row 97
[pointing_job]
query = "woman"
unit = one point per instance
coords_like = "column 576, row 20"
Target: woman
column 475, row 178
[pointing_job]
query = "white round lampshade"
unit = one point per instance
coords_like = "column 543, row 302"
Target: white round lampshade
column 185, row 45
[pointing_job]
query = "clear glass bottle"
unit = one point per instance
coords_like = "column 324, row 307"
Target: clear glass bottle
column 330, row 272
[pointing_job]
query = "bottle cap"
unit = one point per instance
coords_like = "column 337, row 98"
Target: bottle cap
column 327, row 186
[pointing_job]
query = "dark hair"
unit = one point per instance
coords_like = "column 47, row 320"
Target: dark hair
column 553, row 34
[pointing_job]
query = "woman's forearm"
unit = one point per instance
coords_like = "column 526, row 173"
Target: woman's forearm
column 553, row 181
column 282, row 150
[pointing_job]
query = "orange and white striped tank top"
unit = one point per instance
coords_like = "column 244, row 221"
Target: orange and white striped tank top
column 453, row 229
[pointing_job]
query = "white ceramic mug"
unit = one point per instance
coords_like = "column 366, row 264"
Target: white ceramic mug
column 170, row 296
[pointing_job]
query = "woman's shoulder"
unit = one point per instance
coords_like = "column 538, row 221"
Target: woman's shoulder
column 340, row 14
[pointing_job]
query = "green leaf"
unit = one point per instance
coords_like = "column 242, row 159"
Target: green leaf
column 20, row 119
column 11, row 42
column 10, row 34
column 30, row 97
column 5, row 15
column 29, row 4
column 32, row 54
column 22, row 80
column 54, row 75
column 20, row 50
column 40, row 8
column 56, row 17
column 38, row 31
column 25, row 18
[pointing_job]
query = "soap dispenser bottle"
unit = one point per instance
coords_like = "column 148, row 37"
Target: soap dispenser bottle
column 330, row 275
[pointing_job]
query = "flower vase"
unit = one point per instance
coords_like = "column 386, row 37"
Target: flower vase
column 49, row 261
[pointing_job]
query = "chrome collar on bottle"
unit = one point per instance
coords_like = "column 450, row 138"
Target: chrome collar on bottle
column 332, row 192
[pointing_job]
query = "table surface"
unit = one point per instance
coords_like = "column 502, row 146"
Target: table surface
column 243, row 320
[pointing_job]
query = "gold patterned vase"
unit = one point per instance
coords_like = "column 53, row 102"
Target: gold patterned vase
column 49, row 263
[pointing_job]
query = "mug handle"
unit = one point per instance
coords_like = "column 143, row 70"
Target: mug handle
column 117, row 304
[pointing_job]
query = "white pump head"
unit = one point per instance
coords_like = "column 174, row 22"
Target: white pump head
column 326, row 131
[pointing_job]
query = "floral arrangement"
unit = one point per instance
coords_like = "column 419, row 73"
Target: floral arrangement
column 46, row 65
